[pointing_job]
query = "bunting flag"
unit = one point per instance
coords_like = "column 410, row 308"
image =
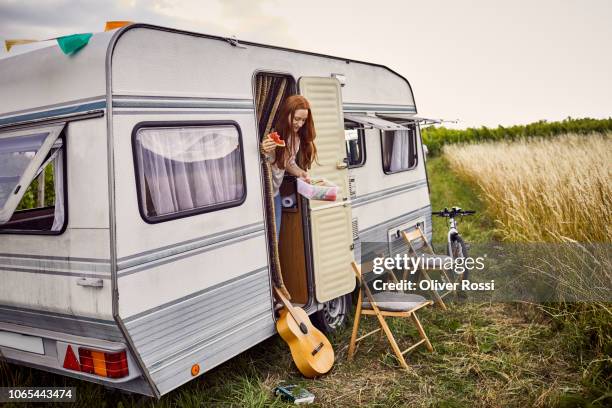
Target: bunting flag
column 69, row 44
column 72, row 43
column 112, row 25
column 10, row 43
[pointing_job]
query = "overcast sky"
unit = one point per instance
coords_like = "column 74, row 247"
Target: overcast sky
column 484, row 62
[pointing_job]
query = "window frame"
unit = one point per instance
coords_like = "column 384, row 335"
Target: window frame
column 194, row 211
column 382, row 153
column 361, row 137
column 8, row 231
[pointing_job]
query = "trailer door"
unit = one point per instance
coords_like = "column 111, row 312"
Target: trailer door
column 332, row 240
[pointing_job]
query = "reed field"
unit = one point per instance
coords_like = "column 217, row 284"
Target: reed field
column 556, row 191
column 555, row 194
column 543, row 190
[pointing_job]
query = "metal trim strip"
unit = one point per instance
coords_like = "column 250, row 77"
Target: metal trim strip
column 194, row 348
column 14, row 261
column 58, row 273
column 361, row 107
column 208, row 247
column 195, row 243
column 163, row 102
column 112, row 213
column 56, row 258
column 58, row 315
column 87, row 107
column 155, row 309
column 177, row 112
column 382, row 194
column 55, row 105
column 396, row 219
column 60, row 336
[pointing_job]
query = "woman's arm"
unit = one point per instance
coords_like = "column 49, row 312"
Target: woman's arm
column 295, row 170
column 268, row 148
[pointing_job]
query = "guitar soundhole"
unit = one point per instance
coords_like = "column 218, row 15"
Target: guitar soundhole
column 317, row 349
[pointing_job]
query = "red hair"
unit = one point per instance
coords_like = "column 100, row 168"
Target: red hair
column 308, row 151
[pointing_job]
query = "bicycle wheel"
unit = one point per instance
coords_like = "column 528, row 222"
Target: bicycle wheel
column 458, row 247
column 459, row 250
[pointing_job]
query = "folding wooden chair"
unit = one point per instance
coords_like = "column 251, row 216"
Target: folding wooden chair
column 387, row 304
column 430, row 261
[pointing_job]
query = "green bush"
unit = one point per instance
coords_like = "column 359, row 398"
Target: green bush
column 436, row 137
column 30, row 197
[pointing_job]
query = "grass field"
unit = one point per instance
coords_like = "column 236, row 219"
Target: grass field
column 543, row 190
column 486, row 355
column 557, row 191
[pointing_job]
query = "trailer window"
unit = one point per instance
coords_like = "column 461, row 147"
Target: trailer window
column 187, row 170
column 355, row 146
column 32, row 182
column 399, row 150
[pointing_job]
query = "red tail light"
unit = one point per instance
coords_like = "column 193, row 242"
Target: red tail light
column 102, row 363
column 87, row 365
column 116, row 365
column 70, row 360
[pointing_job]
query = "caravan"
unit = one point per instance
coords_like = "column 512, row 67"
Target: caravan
column 147, row 264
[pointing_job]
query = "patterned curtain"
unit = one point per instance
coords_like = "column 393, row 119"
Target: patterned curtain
column 270, row 92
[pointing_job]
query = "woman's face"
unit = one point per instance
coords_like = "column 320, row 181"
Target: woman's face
column 299, row 118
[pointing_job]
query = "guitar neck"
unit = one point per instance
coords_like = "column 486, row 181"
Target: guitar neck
column 289, row 307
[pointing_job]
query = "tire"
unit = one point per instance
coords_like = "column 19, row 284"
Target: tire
column 459, row 250
column 334, row 314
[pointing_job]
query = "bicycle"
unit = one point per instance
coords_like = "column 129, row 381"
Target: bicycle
column 456, row 246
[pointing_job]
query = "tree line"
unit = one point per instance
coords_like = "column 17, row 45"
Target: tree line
column 436, row 137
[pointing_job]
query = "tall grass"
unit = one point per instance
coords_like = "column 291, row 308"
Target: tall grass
column 544, row 190
column 557, row 191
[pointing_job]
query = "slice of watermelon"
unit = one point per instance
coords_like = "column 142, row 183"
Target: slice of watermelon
column 277, row 139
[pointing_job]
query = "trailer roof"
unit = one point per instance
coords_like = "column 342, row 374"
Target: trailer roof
column 45, row 79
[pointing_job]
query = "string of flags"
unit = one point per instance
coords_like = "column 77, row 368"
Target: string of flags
column 69, row 44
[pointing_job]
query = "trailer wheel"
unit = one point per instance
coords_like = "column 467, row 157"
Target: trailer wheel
column 334, row 314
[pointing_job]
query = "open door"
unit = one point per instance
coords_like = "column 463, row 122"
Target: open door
column 332, row 239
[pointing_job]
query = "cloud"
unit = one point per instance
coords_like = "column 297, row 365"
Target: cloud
column 542, row 57
column 28, row 18
column 32, row 19
column 246, row 19
column 249, row 20
column 258, row 21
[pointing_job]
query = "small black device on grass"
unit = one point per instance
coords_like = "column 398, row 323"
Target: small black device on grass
column 294, row 393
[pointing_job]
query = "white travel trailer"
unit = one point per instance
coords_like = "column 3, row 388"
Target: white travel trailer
column 148, row 262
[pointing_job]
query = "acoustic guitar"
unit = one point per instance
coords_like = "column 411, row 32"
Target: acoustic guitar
column 311, row 351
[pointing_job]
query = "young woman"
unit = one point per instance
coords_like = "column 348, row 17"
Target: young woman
column 295, row 126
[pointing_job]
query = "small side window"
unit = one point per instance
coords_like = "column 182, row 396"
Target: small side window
column 355, row 146
column 32, row 181
column 399, row 150
column 187, row 169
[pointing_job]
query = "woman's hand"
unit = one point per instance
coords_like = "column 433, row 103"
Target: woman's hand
column 267, row 146
column 304, row 176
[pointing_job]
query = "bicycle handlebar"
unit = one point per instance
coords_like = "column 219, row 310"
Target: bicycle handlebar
column 452, row 212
